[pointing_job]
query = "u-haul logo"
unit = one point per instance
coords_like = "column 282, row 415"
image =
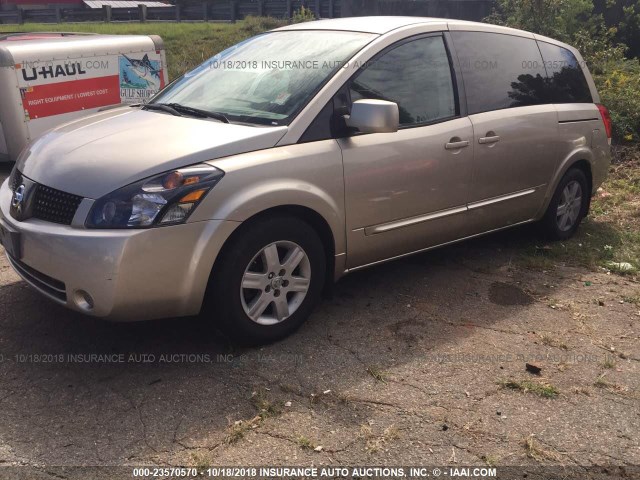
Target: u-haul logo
column 53, row 71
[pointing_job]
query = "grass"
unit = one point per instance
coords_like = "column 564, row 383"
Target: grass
column 265, row 408
column 550, row 341
column 610, row 237
column 611, row 387
column 609, row 362
column 377, row 373
column 187, row 44
column 536, row 451
column 376, row 442
column 200, row 461
column 237, row 431
column 527, row 386
column 305, row 443
column 581, row 391
column 490, row 460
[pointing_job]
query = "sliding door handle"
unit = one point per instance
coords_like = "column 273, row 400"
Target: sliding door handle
column 456, row 145
column 492, row 139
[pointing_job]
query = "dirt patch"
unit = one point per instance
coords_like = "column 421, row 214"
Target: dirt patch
column 410, row 330
column 507, row 294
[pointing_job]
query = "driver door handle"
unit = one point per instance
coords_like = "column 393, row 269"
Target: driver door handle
column 456, row 144
column 492, row 139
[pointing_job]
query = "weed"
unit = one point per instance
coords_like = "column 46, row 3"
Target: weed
column 609, row 362
column 236, row 431
column 376, row 373
column 611, row 387
column 552, row 342
column 305, row 443
column 266, row 408
column 538, row 452
column 373, row 442
column 527, row 386
column 581, row 391
column 490, row 460
column 304, row 14
column 200, row 461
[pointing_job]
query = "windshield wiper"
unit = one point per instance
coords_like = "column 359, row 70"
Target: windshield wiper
column 162, row 107
column 195, row 111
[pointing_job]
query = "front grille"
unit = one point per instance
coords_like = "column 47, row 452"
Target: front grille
column 44, row 203
column 55, row 206
column 52, row 287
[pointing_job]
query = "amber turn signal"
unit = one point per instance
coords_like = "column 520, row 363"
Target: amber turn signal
column 192, row 197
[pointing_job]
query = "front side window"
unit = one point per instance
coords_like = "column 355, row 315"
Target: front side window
column 500, row 71
column 266, row 79
column 567, row 83
column 416, row 75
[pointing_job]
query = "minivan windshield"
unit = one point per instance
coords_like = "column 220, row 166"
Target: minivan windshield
column 266, row 79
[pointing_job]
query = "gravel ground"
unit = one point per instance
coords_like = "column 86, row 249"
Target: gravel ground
column 416, row 362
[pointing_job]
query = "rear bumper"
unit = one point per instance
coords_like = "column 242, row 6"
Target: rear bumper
column 129, row 274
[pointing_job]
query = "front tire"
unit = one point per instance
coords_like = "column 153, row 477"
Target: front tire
column 268, row 280
column 569, row 205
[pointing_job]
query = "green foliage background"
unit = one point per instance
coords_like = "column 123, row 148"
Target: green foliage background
column 600, row 30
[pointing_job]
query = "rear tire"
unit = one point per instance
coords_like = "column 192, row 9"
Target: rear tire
column 568, row 206
column 268, row 280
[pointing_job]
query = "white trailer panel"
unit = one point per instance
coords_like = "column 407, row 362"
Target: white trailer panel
column 50, row 79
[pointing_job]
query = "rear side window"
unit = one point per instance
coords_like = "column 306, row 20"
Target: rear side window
column 567, row 83
column 500, row 71
column 416, row 75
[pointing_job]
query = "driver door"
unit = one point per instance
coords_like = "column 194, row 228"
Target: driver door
column 406, row 191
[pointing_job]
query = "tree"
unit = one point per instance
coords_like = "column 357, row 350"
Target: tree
column 560, row 19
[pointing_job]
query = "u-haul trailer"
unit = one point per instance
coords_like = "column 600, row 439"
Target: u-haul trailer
column 47, row 79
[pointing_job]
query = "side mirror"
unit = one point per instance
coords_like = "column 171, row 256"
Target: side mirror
column 374, row 116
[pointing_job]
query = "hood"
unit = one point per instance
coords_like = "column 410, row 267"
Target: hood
column 101, row 153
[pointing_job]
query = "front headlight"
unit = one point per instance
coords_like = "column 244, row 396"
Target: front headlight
column 164, row 199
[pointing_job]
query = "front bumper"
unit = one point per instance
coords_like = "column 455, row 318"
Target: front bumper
column 129, row 274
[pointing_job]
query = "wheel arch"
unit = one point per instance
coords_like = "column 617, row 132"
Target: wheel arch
column 586, row 168
column 306, row 214
column 582, row 159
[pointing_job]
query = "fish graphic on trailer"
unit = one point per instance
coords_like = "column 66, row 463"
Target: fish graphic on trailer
column 145, row 70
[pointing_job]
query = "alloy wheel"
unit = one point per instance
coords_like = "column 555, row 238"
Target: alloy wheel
column 570, row 205
column 275, row 283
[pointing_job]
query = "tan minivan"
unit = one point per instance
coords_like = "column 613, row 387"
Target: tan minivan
column 299, row 155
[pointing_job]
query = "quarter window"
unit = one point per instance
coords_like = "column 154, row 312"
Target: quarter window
column 500, row 71
column 567, row 83
column 416, row 75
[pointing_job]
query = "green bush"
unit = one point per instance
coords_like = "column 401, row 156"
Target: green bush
column 303, row 15
column 254, row 25
column 558, row 19
column 572, row 21
column 619, row 88
column 617, row 79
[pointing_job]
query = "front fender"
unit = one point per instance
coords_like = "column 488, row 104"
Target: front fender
column 308, row 175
